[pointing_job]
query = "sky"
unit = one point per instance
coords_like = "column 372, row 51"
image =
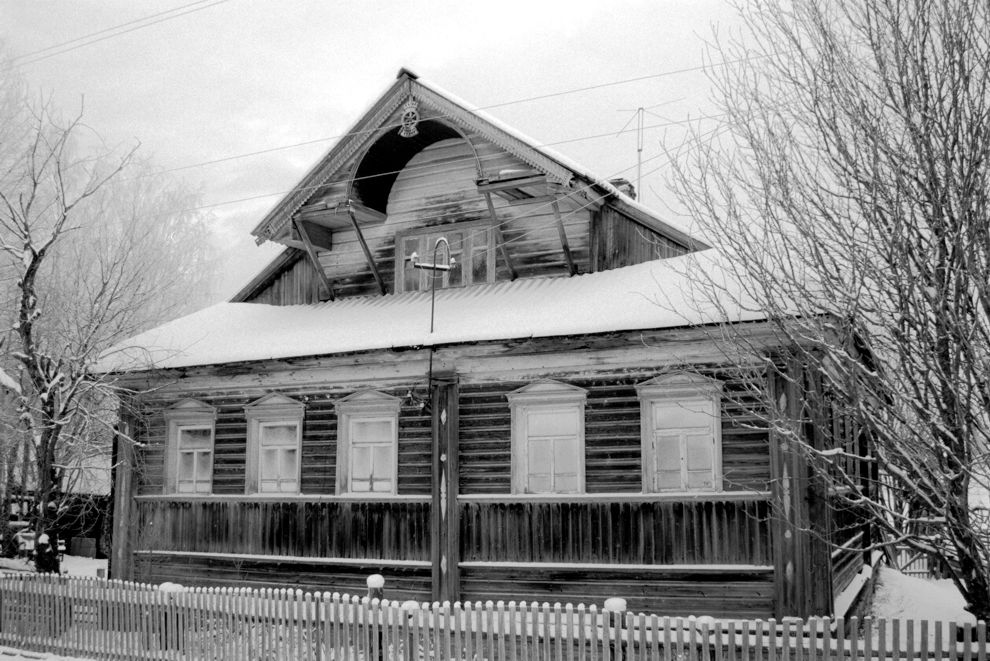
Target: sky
column 219, row 80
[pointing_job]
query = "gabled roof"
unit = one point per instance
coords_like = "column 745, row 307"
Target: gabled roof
column 373, row 124
column 654, row 295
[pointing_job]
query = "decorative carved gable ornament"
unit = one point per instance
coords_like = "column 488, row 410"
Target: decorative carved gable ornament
column 409, row 119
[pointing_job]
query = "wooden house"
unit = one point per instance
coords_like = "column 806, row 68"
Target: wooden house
column 533, row 407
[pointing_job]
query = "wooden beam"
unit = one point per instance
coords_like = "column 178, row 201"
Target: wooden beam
column 313, row 258
column 499, row 239
column 444, row 509
column 367, row 251
column 318, row 235
column 121, row 558
column 490, row 186
column 572, row 269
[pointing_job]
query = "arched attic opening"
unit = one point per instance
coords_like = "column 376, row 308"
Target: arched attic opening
column 389, row 154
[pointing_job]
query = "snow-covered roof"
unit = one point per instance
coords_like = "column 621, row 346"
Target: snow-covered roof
column 653, row 295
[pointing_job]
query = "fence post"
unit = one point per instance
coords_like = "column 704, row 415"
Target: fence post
column 409, row 609
column 170, row 632
column 614, row 611
column 376, row 592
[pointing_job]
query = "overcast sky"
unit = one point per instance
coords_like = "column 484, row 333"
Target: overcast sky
column 207, row 80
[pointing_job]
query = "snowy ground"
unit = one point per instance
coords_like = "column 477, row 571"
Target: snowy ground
column 907, row 598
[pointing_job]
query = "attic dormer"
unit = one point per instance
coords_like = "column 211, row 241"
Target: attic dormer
column 420, row 170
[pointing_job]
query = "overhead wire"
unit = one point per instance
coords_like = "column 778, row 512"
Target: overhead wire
column 414, row 168
column 501, row 104
column 31, row 58
column 24, row 56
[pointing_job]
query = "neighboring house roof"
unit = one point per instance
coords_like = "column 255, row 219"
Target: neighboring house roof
column 372, row 124
column 653, row 295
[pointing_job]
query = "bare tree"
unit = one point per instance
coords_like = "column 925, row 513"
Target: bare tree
column 849, row 192
column 94, row 247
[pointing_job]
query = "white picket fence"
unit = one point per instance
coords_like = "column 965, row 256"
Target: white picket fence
column 111, row 620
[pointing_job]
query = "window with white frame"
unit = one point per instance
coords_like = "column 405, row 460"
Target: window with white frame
column 368, row 443
column 547, row 438
column 681, row 433
column 471, row 248
column 274, row 445
column 189, row 454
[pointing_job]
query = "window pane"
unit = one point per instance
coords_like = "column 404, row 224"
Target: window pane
column 567, row 458
column 455, row 277
column 269, row 464
column 203, row 467
column 700, row 480
column 187, row 466
column 383, row 463
column 540, row 484
column 288, row 469
column 552, row 423
column 371, row 431
column 410, row 274
column 361, row 462
column 540, row 456
column 566, row 484
column 381, row 486
column 195, row 437
column 668, row 479
column 479, row 257
column 278, row 434
column 668, row 451
column 699, row 452
column 692, row 413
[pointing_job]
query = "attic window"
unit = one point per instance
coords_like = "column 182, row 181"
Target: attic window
column 471, row 247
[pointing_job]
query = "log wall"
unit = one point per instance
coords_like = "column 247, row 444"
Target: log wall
column 653, row 545
column 612, row 434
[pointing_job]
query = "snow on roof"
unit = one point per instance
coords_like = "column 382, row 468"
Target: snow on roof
column 653, row 295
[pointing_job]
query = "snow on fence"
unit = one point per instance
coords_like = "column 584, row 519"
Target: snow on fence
column 102, row 619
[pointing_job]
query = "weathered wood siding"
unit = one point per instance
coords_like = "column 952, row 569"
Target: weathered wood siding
column 319, row 438
column 297, row 284
column 313, row 575
column 730, row 592
column 342, row 529
column 638, row 532
column 438, row 188
column 612, row 434
column 618, row 241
